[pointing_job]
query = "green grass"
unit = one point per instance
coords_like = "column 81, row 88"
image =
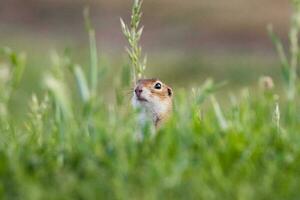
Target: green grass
column 73, row 143
column 55, row 155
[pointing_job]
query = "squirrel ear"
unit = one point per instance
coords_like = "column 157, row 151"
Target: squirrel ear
column 170, row 92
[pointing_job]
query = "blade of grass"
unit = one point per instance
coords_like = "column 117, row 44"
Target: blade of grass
column 93, row 77
column 82, row 84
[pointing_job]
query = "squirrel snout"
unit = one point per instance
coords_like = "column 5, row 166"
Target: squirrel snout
column 138, row 91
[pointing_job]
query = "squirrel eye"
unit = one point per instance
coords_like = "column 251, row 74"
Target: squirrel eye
column 157, row 86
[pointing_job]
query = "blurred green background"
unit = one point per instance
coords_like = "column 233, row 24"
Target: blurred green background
column 185, row 41
column 75, row 140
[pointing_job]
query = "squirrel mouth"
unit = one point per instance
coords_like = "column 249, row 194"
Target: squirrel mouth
column 139, row 98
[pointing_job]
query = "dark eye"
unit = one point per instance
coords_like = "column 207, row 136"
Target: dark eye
column 157, row 86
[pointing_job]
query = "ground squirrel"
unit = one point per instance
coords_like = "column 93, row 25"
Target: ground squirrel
column 155, row 100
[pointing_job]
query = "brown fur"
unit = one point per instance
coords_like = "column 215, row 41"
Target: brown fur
column 149, row 83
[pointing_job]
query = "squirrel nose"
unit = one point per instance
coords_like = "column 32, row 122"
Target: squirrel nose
column 138, row 91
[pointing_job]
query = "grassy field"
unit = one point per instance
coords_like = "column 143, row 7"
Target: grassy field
column 73, row 142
